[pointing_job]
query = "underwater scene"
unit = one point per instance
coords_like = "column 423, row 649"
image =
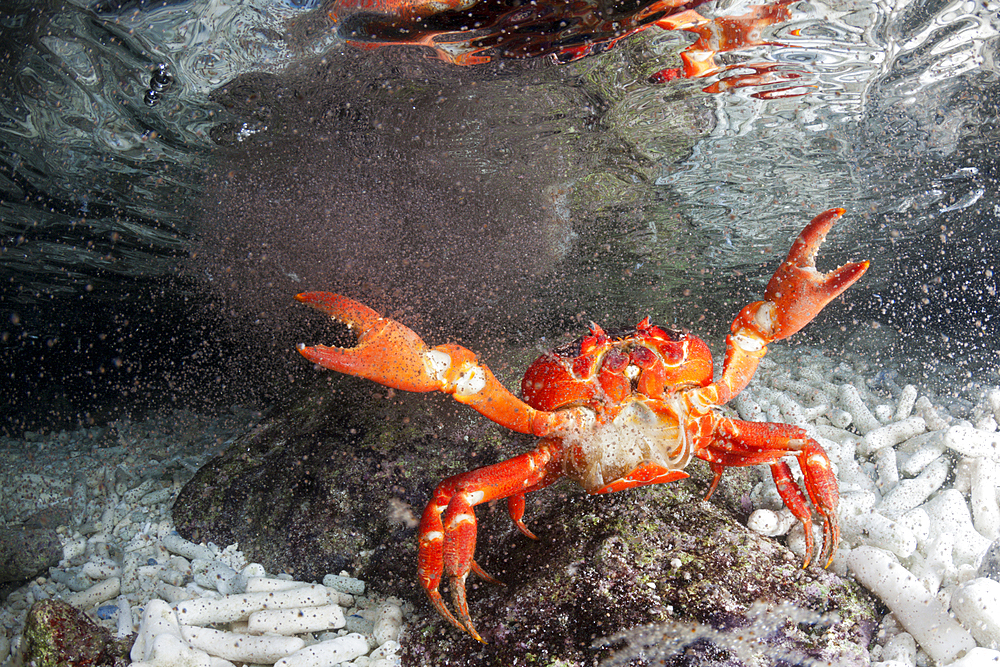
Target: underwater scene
column 558, row 333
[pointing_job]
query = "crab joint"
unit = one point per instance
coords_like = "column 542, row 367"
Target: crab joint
column 819, row 461
column 465, row 378
column 459, row 519
column 765, row 319
column 755, row 326
column 471, row 381
column 437, row 363
column 432, row 537
column 748, row 341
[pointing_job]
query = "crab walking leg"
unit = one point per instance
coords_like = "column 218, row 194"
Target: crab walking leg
column 393, row 355
column 792, row 496
column 741, row 443
column 515, row 508
column 447, row 541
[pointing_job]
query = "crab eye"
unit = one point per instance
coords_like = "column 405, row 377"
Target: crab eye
column 615, row 360
column 643, row 357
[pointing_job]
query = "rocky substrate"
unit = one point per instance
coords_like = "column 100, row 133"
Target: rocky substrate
column 906, row 461
column 110, row 581
column 334, row 482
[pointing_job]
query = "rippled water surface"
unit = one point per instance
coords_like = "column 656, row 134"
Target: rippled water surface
column 173, row 172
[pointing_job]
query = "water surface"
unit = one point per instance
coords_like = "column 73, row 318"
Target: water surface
column 174, row 172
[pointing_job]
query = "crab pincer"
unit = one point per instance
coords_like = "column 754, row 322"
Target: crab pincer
column 797, row 290
column 387, row 352
column 393, row 355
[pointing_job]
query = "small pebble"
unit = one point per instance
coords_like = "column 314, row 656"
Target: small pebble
column 976, row 603
column 107, row 611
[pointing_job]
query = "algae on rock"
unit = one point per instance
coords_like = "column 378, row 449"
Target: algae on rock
column 57, row 634
column 605, row 565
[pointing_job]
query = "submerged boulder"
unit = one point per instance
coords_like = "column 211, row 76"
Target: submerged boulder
column 57, row 634
column 27, row 550
column 655, row 572
column 337, row 480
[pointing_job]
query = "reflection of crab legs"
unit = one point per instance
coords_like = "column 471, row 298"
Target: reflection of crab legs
column 723, row 34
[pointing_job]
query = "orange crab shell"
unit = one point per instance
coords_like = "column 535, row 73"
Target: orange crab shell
column 605, row 369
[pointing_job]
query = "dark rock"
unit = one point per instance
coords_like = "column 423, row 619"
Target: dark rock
column 27, row 551
column 990, row 567
column 51, row 517
column 657, row 557
column 56, row 634
column 338, row 479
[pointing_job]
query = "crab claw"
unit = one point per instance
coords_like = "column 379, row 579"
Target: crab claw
column 386, row 352
column 394, row 356
column 797, row 290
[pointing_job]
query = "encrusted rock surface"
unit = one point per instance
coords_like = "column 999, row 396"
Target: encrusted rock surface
column 32, row 546
column 658, row 555
column 27, row 550
column 58, row 634
column 338, row 479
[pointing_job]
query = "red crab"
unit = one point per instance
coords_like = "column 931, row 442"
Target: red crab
column 613, row 411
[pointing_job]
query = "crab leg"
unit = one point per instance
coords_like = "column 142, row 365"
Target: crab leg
column 741, row 443
column 447, row 540
column 395, row 356
column 795, row 295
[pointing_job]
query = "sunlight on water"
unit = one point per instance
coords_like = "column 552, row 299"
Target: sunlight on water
column 881, row 86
